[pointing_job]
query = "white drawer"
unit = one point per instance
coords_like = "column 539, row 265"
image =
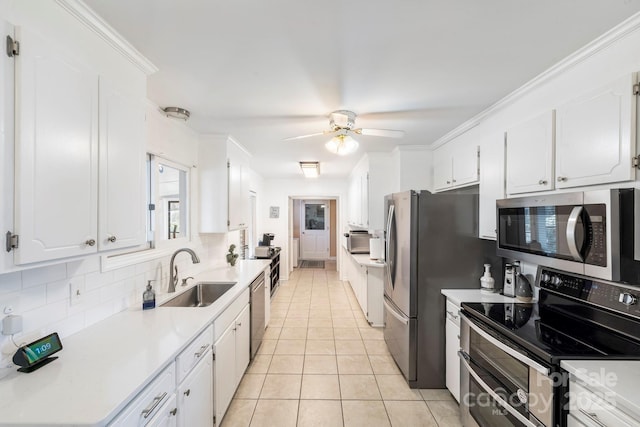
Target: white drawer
column 149, row 401
column 228, row 316
column 453, row 313
column 592, row 408
column 194, row 352
column 167, row 415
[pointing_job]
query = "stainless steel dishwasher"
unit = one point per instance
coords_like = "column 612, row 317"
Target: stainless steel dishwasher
column 257, row 313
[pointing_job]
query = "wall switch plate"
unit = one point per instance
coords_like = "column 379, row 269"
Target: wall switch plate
column 76, row 291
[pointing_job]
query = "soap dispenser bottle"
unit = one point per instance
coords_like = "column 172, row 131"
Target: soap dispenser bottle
column 149, row 297
column 487, row 283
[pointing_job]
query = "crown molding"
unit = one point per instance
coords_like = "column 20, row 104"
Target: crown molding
column 617, row 33
column 94, row 22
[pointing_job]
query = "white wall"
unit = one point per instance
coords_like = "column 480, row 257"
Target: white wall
column 277, row 193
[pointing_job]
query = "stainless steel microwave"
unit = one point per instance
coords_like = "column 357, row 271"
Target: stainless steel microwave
column 576, row 232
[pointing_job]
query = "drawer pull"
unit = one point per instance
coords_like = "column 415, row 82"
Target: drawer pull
column 188, row 392
column 453, row 316
column 174, row 411
column 90, row 242
column 593, row 417
column 202, row 350
column 112, row 239
column 156, row 401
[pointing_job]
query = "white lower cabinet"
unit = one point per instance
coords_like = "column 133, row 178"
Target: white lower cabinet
column 593, row 408
column 232, row 354
column 452, row 331
column 195, row 395
column 367, row 284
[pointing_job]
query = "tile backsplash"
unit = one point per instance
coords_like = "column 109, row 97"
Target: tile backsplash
column 42, row 296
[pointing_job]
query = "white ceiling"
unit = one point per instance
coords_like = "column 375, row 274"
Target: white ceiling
column 263, row 70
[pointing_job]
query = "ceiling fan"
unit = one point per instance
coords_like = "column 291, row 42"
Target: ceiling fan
column 342, row 124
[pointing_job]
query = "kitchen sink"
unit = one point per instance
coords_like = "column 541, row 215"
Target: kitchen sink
column 201, row 295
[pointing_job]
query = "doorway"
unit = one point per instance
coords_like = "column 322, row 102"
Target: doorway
column 313, row 229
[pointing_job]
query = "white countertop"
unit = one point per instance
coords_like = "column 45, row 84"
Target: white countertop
column 618, row 378
column 458, row 296
column 104, row 366
column 364, row 259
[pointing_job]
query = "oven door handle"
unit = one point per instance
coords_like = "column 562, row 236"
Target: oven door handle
column 572, row 225
column 510, row 351
column 464, row 360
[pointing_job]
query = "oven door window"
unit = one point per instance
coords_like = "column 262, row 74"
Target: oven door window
column 485, row 410
column 539, row 230
column 502, row 371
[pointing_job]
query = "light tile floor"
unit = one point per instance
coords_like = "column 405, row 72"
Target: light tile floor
column 321, row 364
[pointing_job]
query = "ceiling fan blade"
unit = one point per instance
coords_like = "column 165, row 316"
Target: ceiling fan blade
column 293, row 138
column 389, row 133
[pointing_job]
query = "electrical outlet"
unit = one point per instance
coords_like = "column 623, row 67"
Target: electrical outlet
column 76, row 291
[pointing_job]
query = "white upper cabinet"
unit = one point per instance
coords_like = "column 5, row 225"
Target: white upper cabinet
column 56, row 152
column 455, row 164
column 596, row 136
column 491, row 183
column 224, row 184
column 530, row 154
column 121, row 220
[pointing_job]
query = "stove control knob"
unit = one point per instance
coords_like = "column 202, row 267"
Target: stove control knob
column 555, row 280
column 545, row 277
column 627, row 299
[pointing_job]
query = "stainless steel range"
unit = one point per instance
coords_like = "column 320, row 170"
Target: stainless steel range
column 511, row 353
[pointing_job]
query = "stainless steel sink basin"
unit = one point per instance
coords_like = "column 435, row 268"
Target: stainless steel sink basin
column 201, row 295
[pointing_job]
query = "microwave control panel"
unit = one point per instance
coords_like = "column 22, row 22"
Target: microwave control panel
column 604, row 294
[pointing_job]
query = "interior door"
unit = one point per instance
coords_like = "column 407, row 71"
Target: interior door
column 314, row 229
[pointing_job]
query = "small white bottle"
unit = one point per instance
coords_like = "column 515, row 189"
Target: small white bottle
column 487, row 283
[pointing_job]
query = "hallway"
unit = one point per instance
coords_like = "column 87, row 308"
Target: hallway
column 321, row 364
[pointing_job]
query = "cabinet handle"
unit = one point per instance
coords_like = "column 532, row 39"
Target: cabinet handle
column 90, row 242
column 593, row 417
column 455, row 180
column 239, row 324
column 156, row 401
column 174, row 411
column 450, row 313
column 202, row 350
column 562, row 178
column 542, row 182
column 112, row 239
column 188, row 392
column 448, row 182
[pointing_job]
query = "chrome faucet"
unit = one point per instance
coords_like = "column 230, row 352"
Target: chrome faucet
column 173, row 271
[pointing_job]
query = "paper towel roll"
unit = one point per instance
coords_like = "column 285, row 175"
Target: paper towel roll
column 375, row 248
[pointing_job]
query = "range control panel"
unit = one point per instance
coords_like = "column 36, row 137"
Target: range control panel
column 610, row 295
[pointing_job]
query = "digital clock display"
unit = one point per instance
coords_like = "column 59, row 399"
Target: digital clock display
column 38, row 351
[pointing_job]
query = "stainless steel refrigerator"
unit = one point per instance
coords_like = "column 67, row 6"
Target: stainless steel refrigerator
column 431, row 244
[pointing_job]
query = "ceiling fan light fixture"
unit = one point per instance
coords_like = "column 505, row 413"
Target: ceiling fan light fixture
column 342, row 145
column 176, row 113
column 310, row 169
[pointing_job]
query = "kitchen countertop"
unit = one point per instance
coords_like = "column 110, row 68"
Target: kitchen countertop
column 364, row 259
column 619, row 379
column 458, row 296
column 103, row 367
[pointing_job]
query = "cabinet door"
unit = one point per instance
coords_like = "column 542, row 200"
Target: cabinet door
column 595, row 136
column 442, row 168
column 195, row 395
column 224, row 378
column 354, row 200
column 243, row 342
column 530, row 149
column 122, row 196
column 491, row 184
column 235, row 195
column 364, row 199
column 453, row 364
column 465, row 164
column 56, row 152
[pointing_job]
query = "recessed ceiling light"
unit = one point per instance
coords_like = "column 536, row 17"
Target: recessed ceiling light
column 310, row 169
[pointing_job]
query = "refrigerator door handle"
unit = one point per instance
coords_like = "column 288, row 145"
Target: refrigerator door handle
column 392, row 311
column 390, row 262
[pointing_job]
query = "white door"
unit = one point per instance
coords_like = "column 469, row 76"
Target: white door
column 314, row 229
column 195, row 395
column 56, row 152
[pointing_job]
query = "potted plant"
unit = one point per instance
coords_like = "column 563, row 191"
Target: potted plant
column 231, row 256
